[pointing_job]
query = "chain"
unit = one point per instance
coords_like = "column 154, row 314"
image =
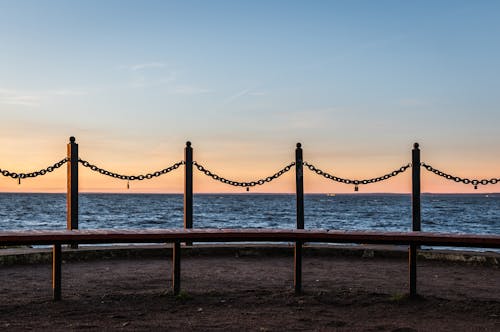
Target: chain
column 130, row 177
column 216, row 177
column 41, row 172
column 474, row 182
column 244, row 184
column 357, row 182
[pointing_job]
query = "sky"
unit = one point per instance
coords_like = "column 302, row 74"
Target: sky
column 356, row 82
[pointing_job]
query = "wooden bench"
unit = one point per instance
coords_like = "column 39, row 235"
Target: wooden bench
column 178, row 236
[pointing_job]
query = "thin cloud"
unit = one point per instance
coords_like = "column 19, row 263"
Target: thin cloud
column 67, row 92
column 188, row 90
column 242, row 93
column 34, row 98
column 147, row 65
column 14, row 97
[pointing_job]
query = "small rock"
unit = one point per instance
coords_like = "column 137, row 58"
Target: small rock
column 126, row 324
column 200, row 309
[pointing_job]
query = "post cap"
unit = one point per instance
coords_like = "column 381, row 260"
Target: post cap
column 72, row 139
column 415, row 145
column 299, row 145
column 188, row 143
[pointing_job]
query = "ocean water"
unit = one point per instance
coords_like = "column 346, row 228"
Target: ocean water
column 440, row 213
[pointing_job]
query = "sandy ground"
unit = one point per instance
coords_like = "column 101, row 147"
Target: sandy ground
column 251, row 294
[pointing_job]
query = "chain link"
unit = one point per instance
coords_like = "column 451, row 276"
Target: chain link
column 474, row 182
column 244, row 184
column 130, row 177
column 41, row 172
column 356, row 183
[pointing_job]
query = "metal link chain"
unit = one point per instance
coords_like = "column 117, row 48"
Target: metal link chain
column 474, row 182
column 130, row 177
column 41, row 172
column 244, row 184
column 356, row 183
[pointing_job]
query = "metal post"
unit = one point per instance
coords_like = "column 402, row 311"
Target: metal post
column 72, row 186
column 176, row 267
column 299, row 187
column 416, row 218
column 416, row 226
column 188, row 187
column 56, row 272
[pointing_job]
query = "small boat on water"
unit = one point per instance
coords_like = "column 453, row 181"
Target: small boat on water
column 331, row 195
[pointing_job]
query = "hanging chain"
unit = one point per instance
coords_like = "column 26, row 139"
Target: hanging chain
column 41, row 172
column 244, row 184
column 356, row 183
column 130, row 177
column 474, row 182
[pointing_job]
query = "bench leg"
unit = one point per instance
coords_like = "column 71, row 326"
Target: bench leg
column 176, row 268
column 412, row 267
column 297, row 263
column 56, row 272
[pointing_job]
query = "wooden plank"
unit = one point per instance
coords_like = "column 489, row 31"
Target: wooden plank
column 412, row 268
column 176, row 267
column 56, row 272
column 238, row 235
column 297, row 275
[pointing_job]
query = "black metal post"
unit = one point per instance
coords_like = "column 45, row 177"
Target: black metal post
column 299, row 190
column 416, row 218
column 56, row 272
column 72, row 188
column 176, row 267
column 188, row 188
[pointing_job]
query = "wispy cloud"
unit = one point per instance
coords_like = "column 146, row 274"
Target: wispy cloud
column 147, row 65
column 162, row 77
column 242, row 93
column 141, row 81
column 188, row 90
column 34, row 98
column 15, row 97
column 67, row 92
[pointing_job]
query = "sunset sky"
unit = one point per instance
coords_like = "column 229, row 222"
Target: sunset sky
column 356, row 82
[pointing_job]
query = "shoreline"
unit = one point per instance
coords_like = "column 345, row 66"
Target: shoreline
column 20, row 256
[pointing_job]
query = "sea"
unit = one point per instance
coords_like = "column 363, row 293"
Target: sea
column 449, row 213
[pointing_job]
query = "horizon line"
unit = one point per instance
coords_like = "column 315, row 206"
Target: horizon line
column 255, row 193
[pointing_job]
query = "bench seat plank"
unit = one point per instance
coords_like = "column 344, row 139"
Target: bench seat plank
column 49, row 237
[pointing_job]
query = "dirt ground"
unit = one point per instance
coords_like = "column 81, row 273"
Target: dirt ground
column 251, row 294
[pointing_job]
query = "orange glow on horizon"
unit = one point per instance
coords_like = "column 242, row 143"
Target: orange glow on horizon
column 244, row 165
column 173, row 182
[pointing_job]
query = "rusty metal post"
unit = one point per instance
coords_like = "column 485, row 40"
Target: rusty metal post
column 188, row 187
column 176, row 267
column 416, row 218
column 72, row 186
column 299, row 192
column 56, row 272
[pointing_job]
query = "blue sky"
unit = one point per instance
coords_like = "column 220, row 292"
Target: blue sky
column 357, row 82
